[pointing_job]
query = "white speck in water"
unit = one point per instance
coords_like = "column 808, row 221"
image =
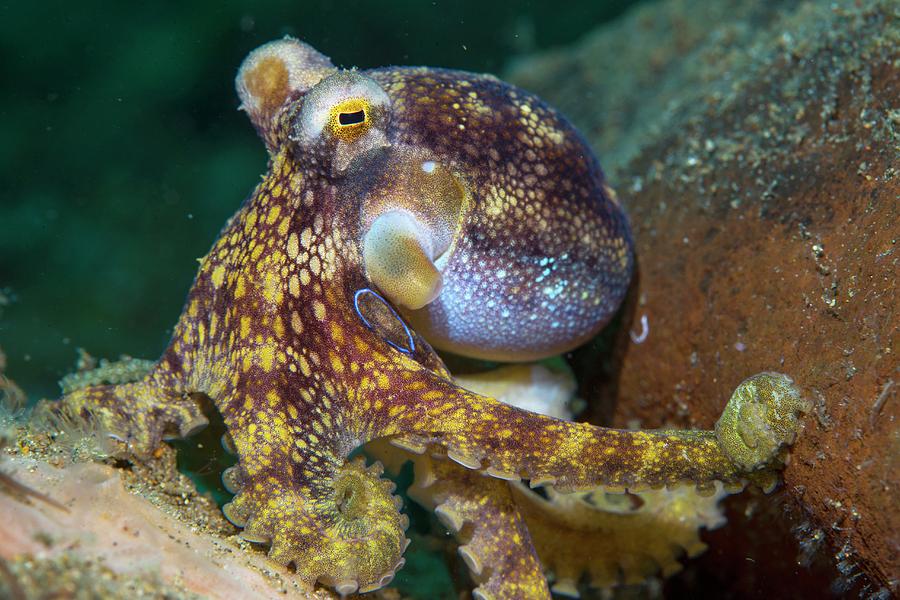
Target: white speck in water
column 428, row 166
column 740, row 346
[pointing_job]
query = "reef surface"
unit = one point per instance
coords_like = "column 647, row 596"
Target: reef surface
column 755, row 147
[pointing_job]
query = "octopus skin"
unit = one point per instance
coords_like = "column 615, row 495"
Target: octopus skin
column 405, row 207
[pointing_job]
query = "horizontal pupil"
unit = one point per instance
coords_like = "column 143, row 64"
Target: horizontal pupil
column 352, row 118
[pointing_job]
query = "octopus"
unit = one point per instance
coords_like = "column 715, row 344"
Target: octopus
column 407, row 209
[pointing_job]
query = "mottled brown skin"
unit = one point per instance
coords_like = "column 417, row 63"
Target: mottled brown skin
column 270, row 333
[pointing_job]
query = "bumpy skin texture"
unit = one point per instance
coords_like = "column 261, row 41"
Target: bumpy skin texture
column 304, row 369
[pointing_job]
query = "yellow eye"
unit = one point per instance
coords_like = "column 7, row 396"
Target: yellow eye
column 350, row 118
column 345, row 107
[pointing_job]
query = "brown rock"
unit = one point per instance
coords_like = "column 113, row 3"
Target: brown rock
column 755, row 146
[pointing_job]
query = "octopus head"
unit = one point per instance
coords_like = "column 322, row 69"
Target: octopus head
column 477, row 210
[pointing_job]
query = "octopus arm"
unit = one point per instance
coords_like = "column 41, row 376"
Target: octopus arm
column 480, row 511
column 336, row 520
column 608, row 539
column 142, row 412
column 481, row 433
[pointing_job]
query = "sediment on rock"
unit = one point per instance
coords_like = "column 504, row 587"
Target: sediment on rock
column 754, row 146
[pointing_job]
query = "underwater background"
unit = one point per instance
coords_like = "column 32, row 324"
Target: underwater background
column 754, row 146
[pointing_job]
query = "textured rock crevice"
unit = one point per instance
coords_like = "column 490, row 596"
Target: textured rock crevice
column 755, row 149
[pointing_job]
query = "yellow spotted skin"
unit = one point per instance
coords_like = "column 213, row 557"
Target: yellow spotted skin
column 272, row 330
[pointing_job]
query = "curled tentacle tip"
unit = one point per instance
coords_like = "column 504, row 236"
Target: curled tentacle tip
column 762, row 417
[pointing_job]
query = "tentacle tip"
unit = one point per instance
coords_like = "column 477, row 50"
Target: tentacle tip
column 760, row 419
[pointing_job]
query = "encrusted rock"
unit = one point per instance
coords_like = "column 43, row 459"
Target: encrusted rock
column 754, row 146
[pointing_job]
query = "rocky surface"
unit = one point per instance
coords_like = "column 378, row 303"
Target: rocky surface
column 125, row 534
column 755, row 146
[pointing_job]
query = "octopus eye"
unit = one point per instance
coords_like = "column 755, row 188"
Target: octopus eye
column 349, row 119
column 346, row 111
